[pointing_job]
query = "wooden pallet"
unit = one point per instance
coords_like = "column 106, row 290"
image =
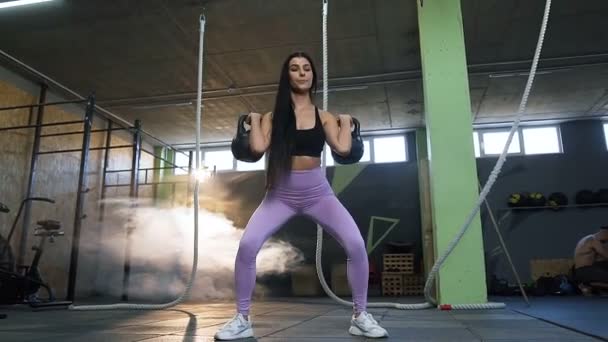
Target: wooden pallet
column 401, row 284
column 398, row 263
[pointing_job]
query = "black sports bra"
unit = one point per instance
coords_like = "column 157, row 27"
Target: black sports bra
column 310, row 142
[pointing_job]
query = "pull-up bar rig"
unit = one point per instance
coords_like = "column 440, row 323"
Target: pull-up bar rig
column 114, row 124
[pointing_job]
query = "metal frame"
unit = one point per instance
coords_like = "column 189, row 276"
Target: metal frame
column 82, row 190
column 31, row 178
column 61, row 123
column 605, row 128
column 115, row 123
column 106, row 157
column 41, row 104
column 133, row 193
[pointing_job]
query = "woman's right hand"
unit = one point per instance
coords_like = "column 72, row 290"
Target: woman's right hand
column 260, row 131
column 254, row 117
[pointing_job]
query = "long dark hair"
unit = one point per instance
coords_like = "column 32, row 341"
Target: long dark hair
column 284, row 123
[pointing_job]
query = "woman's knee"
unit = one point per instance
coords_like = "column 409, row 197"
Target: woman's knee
column 355, row 246
column 248, row 248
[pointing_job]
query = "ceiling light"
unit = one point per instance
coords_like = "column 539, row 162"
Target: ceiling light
column 20, row 3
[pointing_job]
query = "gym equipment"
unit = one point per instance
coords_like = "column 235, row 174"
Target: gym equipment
column 7, row 259
column 584, row 197
column 5, row 251
column 186, row 293
column 430, row 281
column 519, row 199
column 600, row 196
column 241, row 149
column 3, row 244
column 557, row 199
column 23, row 285
column 357, row 147
column 536, row 199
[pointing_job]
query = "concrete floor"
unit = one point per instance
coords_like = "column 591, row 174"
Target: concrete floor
column 585, row 314
column 293, row 320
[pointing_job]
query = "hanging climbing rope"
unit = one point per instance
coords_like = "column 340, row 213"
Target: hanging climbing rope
column 186, row 293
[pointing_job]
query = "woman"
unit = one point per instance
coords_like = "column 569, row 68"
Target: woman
column 294, row 135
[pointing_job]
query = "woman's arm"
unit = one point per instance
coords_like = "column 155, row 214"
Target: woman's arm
column 261, row 126
column 338, row 137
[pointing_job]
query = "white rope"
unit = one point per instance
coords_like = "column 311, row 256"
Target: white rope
column 319, row 250
column 482, row 196
column 493, row 175
column 186, row 293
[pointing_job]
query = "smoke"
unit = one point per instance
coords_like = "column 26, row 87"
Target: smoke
column 162, row 251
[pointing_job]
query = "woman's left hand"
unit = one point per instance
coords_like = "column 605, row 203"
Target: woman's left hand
column 345, row 120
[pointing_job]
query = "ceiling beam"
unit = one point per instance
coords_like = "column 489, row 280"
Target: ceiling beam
column 357, row 82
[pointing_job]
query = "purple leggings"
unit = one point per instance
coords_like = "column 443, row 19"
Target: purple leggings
column 302, row 192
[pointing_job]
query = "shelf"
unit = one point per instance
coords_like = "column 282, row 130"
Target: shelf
column 595, row 205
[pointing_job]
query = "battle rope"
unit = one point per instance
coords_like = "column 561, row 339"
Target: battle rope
column 186, row 293
column 482, row 196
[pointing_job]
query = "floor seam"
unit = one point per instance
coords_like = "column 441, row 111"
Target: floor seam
column 299, row 323
column 561, row 325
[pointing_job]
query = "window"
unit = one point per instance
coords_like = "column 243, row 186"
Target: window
column 367, row 153
column 606, row 133
column 377, row 149
column 219, row 160
column 494, row 142
column 329, row 159
column 259, row 165
column 541, row 140
column 527, row 141
column 389, row 149
column 182, row 160
column 476, row 144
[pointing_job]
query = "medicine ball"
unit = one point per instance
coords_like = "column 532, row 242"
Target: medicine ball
column 519, row 199
column 537, row 199
column 584, row 197
column 557, row 199
column 600, row 196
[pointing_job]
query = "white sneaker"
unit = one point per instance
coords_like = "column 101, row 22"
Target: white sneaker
column 238, row 327
column 366, row 325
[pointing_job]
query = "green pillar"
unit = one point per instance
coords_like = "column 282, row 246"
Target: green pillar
column 424, row 189
column 453, row 174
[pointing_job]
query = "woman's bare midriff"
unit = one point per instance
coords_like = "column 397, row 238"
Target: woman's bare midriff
column 304, row 163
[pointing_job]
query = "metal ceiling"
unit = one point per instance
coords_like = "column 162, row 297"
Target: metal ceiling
column 140, row 57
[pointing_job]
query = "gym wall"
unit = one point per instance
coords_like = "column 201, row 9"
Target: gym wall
column 546, row 234
column 56, row 177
